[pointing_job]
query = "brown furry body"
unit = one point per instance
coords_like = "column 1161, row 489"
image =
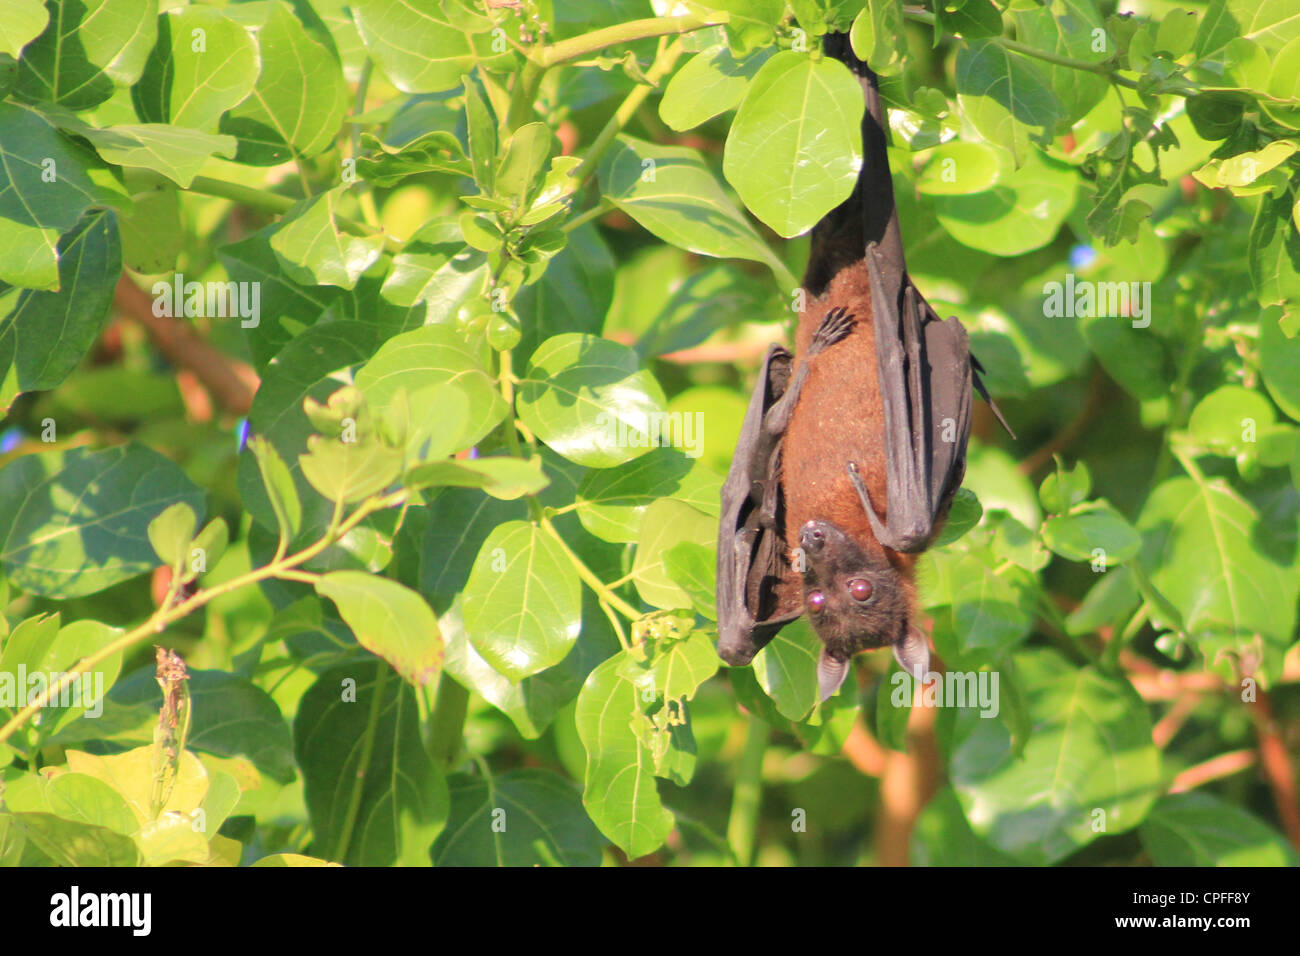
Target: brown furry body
column 839, row 418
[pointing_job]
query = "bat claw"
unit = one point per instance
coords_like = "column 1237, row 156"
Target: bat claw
column 830, row 675
column 835, row 325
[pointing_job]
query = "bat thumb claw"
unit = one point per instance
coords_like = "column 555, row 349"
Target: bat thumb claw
column 830, row 674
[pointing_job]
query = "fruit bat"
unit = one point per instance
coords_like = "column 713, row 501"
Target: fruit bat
column 853, row 447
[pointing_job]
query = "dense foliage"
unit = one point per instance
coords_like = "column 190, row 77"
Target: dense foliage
column 382, row 359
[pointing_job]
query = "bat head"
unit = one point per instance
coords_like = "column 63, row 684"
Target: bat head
column 855, row 600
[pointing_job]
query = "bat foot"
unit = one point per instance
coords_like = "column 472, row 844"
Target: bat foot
column 830, row 675
column 835, row 325
column 913, row 653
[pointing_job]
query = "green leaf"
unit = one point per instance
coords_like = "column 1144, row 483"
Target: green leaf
column 305, row 368
column 1065, row 487
column 1244, row 169
column 85, row 799
column 314, row 249
column 1270, row 23
column 1023, row 212
column 1200, row 550
column 532, row 703
column 589, row 399
column 171, row 533
column 523, row 158
column 280, row 489
column 1279, row 359
column 433, row 355
column 76, row 844
column 878, row 35
column 501, row 477
column 619, row 788
column 966, row 18
column 942, row 837
column 793, row 152
column 419, row 47
column 437, row 545
column 1200, row 829
column 88, row 46
column 388, row 619
column 520, row 818
column 86, row 527
column 1069, row 29
column 46, row 334
column 965, row 514
column 523, row 603
column 374, row 796
column 1089, row 767
column 46, row 185
column 959, row 169
column 1284, row 85
column 23, row 23
column 667, row 523
column 1230, row 420
column 437, row 151
column 349, row 471
column 299, row 101
column 711, row 83
column 1274, row 255
column 670, row 191
column 612, row 502
column 152, row 234
column 232, row 717
column 692, row 567
column 1132, row 356
column 481, row 127
column 172, row 151
column 1113, row 595
column 74, row 642
column 786, row 669
column 203, row 65
column 1006, row 97
column 1079, row 535
column 989, row 612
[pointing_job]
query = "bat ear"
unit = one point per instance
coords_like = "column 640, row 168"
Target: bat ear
column 913, row 653
column 830, row 674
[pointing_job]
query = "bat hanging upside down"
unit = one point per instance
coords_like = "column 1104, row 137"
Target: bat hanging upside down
column 852, row 448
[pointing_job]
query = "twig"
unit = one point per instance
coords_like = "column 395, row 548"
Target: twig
column 1073, row 429
column 1168, row 726
column 232, row 382
column 1224, row 765
column 1277, row 767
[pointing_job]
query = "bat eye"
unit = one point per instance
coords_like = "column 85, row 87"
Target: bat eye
column 860, row 589
column 816, row 599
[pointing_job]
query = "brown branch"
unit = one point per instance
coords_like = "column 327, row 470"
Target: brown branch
column 232, row 382
column 1173, row 720
column 907, row 785
column 1276, row 763
column 1073, row 429
column 1216, row 768
column 864, row 751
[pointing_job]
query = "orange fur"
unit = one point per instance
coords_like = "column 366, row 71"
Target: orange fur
column 839, row 418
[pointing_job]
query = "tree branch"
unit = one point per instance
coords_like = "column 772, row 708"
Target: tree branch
column 232, row 382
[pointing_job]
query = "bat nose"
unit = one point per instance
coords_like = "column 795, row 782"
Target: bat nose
column 811, row 537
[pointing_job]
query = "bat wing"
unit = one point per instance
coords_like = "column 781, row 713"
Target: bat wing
column 926, row 374
column 757, row 590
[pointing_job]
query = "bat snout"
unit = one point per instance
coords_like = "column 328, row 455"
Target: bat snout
column 813, row 536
